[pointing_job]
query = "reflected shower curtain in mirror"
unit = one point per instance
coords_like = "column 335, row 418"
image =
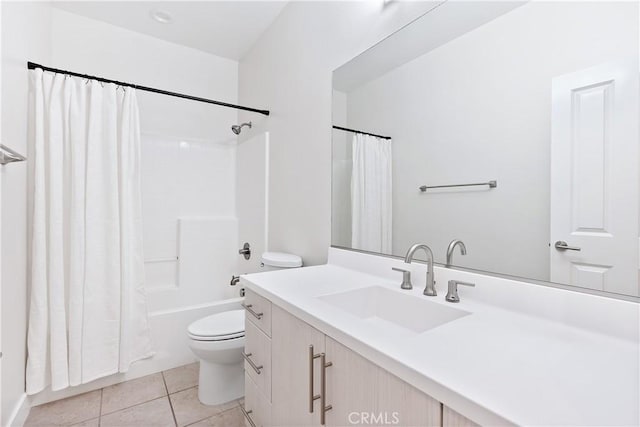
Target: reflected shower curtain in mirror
column 88, row 314
column 371, row 207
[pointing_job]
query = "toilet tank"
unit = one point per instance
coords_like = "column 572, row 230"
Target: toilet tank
column 279, row 261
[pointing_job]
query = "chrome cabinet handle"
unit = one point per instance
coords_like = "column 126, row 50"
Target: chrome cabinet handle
column 312, row 397
column 247, row 415
column 247, row 357
column 563, row 246
column 323, row 388
column 250, row 310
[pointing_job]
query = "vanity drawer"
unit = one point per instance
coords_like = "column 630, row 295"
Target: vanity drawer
column 256, row 407
column 257, row 355
column 258, row 311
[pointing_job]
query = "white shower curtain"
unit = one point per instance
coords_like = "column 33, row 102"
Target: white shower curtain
column 88, row 315
column 371, row 194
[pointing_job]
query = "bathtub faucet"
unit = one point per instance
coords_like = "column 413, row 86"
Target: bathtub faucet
column 234, row 280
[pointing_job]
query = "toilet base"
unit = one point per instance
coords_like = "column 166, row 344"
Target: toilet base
column 220, row 383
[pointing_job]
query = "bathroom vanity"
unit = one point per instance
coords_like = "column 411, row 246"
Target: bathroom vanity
column 346, row 338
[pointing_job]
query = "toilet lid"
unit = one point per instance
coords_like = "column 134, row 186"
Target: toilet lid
column 281, row 259
column 225, row 325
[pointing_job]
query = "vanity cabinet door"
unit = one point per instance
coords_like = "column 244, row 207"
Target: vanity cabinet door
column 256, row 407
column 351, row 386
column 451, row 418
column 257, row 363
column 361, row 393
column 291, row 339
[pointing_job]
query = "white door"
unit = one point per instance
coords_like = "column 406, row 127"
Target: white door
column 594, row 178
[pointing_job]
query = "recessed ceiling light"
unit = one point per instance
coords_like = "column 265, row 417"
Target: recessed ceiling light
column 161, row 16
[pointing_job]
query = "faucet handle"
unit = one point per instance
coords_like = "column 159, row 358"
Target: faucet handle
column 452, row 291
column 406, row 278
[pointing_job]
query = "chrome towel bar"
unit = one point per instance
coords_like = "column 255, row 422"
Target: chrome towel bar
column 491, row 184
column 7, row 155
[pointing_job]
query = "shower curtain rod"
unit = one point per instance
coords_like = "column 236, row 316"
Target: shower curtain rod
column 32, row 66
column 359, row 131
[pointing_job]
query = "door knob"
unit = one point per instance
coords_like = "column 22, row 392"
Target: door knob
column 563, row 246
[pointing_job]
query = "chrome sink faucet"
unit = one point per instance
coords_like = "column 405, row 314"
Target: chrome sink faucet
column 430, row 289
column 450, row 249
column 452, row 291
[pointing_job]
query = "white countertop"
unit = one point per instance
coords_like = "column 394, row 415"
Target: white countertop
column 496, row 365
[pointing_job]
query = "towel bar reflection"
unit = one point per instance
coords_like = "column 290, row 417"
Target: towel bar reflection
column 491, row 184
column 7, row 155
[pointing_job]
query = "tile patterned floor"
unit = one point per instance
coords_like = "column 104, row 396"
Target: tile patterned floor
column 169, row 398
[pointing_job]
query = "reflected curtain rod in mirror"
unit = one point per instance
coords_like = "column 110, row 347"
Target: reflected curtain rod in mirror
column 359, row 131
column 33, row 66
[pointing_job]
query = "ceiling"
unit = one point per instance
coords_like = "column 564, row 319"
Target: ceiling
column 223, row 28
column 446, row 21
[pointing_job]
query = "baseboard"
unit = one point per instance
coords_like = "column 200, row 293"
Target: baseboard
column 20, row 412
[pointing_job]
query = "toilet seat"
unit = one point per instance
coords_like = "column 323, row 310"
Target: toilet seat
column 223, row 326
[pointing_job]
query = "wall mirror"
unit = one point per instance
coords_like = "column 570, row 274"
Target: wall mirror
column 536, row 102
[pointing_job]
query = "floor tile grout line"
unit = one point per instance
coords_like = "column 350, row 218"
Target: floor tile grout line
column 137, row 404
column 147, row 401
column 197, row 421
column 167, row 395
column 236, row 406
column 173, row 413
column 214, row 415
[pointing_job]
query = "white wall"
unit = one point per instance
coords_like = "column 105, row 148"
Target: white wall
column 26, row 30
column 288, row 71
column 479, row 108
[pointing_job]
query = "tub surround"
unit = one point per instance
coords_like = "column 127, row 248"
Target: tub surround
column 525, row 354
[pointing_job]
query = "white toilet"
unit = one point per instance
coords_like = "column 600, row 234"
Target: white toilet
column 218, row 342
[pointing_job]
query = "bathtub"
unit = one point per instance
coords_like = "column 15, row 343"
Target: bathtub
column 170, row 342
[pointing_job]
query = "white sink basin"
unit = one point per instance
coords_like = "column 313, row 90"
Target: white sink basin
column 382, row 306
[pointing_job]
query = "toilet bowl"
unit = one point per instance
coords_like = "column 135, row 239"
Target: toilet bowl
column 218, row 341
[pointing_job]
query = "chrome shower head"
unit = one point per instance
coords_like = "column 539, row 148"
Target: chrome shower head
column 238, row 128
